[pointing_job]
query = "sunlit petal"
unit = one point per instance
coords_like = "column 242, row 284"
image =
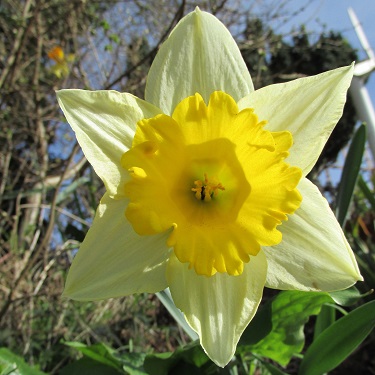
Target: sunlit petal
column 201, row 56
column 219, row 307
column 104, row 123
column 314, row 254
column 114, row 261
column 308, row 107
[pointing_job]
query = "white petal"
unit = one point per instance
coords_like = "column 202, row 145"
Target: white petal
column 104, row 123
column 200, row 56
column 219, row 307
column 308, row 107
column 114, row 261
column 314, row 254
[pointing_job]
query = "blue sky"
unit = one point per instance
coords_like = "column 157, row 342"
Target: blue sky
column 333, row 13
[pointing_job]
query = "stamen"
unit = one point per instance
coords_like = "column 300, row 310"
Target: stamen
column 206, row 190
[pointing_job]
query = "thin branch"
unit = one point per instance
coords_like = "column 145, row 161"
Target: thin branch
column 16, row 46
column 60, row 210
column 152, row 53
column 44, row 243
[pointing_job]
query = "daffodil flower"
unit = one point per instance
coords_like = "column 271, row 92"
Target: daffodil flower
column 206, row 188
column 61, row 66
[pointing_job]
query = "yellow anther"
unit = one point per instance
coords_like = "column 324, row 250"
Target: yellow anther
column 206, row 190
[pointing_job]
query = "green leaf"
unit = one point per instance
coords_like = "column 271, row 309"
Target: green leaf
column 338, row 341
column 132, row 362
column 105, row 25
column 98, row 352
column 366, row 261
column 114, row 38
column 350, row 173
column 273, row 370
column 290, row 312
column 88, row 366
column 348, row 297
column 109, row 358
column 11, row 363
column 162, row 364
column 325, row 318
column 367, row 192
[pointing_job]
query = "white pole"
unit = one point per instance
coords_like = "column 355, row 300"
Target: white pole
column 364, row 108
column 360, row 34
column 358, row 91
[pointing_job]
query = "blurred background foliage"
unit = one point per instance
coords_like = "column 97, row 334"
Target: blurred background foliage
column 48, row 191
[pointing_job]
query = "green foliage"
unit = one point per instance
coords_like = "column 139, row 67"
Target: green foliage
column 11, row 363
column 284, row 317
column 108, row 360
column 348, row 297
column 280, row 321
column 88, row 366
column 338, row 341
column 98, row 352
column 367, row 192
column 190, row 358
column 350, row 172
column 361, row 227
column 114, row 38
column 290, row 311
column 325, row 318
column 105, row 25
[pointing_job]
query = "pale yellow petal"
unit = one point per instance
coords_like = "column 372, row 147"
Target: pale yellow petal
column 104, row 123
column 314, row 253
column 200, row 56
column 308, row 107
column 219, row 307
column 114, row 261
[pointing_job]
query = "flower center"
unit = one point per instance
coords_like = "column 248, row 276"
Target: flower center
column 207, row 189
column 223, row 157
